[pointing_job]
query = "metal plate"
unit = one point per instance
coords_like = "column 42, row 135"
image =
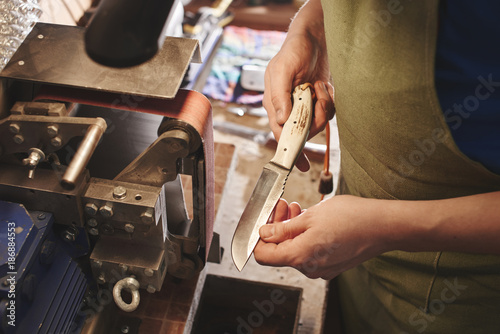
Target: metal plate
column 55, row 54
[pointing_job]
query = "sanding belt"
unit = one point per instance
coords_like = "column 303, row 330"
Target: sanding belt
column 189, row 106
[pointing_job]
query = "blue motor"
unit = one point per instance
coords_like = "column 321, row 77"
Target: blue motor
column 41, row 284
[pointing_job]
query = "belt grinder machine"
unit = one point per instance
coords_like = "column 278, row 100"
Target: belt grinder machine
column 91, row 205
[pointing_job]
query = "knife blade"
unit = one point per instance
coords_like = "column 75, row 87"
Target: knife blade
column 271, row 183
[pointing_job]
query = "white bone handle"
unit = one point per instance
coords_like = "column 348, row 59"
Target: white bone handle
column 296, row 129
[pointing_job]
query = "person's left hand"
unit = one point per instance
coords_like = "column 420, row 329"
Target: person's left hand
column 324, row 240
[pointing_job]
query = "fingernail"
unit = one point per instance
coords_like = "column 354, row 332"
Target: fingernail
column 266, row 231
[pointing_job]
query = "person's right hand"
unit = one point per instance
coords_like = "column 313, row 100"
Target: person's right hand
column 302, row 58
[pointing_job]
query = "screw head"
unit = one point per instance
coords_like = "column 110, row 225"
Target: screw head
column 106, row 211
column 147, row 217
column 94, row 231
column 14, row 128
column 129, row 228
column 41, row 216
column 148, row 272
column 119, row 192
column 91, row 209
column 125, row 329
column 52, row 130
column 92, row 222
column 18, row 139
column 151, row 289
column 69, row 236
column 56, row 141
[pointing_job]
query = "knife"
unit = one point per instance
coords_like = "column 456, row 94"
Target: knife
column 271, row 183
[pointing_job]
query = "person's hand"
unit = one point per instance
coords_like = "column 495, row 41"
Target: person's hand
column 302, row 58
column 324, row 240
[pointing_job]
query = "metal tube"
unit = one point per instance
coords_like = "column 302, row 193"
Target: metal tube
column 82, row 156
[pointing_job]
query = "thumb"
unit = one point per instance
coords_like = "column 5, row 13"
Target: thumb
column 279, row 232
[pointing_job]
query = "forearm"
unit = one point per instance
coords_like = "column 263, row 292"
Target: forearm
column 463, row 224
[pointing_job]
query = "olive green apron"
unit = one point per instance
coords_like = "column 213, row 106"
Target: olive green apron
column 395, row 144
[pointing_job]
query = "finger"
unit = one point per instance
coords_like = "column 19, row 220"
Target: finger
column 294, row 210
column 287, row 253
column 271, row 254
column 278, row 93
column 281, row 211
column 303, row 162
column 281, row 231
column 324, row 109
column 324, row 95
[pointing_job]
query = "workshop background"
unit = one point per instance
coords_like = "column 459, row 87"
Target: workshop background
column 236, row 46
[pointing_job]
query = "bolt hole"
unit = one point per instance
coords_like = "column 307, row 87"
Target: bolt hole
column 138, row 197
column 300, row 98
column 285, row 149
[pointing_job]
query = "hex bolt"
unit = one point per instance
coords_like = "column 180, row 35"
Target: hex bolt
column 56, row 141
column 18, row 139
column 147, row 217
column 94, row 231
column 151, row 289
column 119, row 192
column 53, row 130
column 106, row 211
column 91, row 209
column 148, row 272
column 14, row 128
column 129, row 228
column 92, row 222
